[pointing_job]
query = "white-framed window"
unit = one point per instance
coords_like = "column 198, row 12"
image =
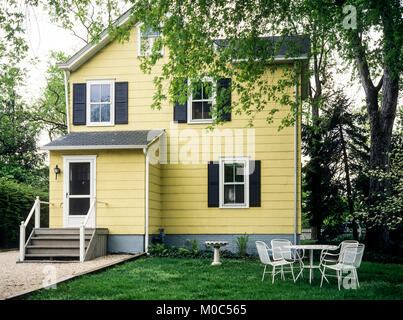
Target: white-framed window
column 201, row 101
column 234, row 182
column 145, row 40
column 100, row 102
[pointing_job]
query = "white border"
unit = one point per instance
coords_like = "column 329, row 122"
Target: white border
column 112, row 103
column 138, row 26
column 190, row 100
column 223, row 160
column 77, row 220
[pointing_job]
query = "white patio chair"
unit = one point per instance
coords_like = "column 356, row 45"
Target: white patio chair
column 263, row 251
column 349, row 261
column 332, row 257
column 282, row 250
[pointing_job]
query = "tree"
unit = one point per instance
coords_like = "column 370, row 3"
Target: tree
column 337, row 132
column 18, row 157
column 50, row 109
column 377, row 59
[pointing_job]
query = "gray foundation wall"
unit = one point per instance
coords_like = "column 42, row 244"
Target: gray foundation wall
column 135, row 243
column 183, row 240
column 122, row 243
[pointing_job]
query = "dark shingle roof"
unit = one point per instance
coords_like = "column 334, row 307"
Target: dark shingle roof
column 104, row 140
column 278, row 47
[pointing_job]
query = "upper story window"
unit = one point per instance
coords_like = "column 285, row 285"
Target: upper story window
column 100, row 102
column 146, row 39
column 200, row 102
column 234, row 182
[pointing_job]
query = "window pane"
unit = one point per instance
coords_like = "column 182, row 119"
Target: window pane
column 145, row 45
column 105, row 112
column 207, row 90
column 79, row 178
column 197, row 91
column 105, row 93
column 228, row 173
column 239, row 193
column 95, row 93
column 95, row 112
column 229, row 194
column 79, row 206
column 239, row 172
column 206, row 110
column 197, row 110
column 148, row 32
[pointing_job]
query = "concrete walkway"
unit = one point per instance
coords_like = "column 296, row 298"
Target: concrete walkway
column 16, row 278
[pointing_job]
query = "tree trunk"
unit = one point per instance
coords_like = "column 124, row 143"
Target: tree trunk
column 381, row 125
column 348, row 182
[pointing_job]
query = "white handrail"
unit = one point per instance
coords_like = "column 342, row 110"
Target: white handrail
column 82, row 230
column 31, row 212
column 89, row 212
column 37, row 209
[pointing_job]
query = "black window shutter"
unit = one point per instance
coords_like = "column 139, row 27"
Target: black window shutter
column 254, row 183
column 121, row 102
column 79, row 103
column 181, row 110
column 225, row 84
column 213, row 184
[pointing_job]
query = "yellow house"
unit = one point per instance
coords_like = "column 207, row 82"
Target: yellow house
column 139, row 175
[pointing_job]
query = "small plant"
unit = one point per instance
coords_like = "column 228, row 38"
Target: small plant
column 194, row 244
column 242, row 244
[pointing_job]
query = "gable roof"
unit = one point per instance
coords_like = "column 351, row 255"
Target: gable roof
column 136, row 139
column 89, row 50
column 300, row 42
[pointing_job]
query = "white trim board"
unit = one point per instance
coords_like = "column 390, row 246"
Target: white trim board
column 77, row 220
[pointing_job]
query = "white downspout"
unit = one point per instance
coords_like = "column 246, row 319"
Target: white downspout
column 67, row 99
column 146, row 201
column 296, row 159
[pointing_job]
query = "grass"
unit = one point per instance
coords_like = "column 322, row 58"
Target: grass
column 193, row 279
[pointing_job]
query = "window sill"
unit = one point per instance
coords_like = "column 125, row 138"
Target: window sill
column 234, row 207
column 200, row 122
column 100, row 125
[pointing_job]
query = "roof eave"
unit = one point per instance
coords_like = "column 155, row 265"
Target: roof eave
column 91, row 49
column 92, row 147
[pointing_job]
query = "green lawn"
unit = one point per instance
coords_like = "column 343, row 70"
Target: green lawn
column 191, row 279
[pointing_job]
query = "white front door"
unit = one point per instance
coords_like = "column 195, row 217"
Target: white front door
column 79, row 174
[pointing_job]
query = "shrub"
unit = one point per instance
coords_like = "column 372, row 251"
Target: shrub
column 16, row 200
column 242, row 244
column 194, row 244
column 159, row 250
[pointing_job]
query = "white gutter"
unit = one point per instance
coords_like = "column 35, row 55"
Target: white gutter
column 296, row 160
column 67, row 100
column 147, row 183
column 146, row 201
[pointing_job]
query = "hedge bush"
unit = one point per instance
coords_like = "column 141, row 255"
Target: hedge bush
column 16, row 200
column 160, row 250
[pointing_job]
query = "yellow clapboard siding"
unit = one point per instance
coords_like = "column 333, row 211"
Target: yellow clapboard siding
column 201, row 197
column 228, row 213
column 121, row 189
column 217, row 221
column 230, row 229
column 187, row 205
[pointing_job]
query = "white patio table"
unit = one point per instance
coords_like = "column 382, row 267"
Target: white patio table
column 312, row 247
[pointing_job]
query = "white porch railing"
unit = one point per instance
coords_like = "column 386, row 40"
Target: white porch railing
column 37, row 209
column 82, row 230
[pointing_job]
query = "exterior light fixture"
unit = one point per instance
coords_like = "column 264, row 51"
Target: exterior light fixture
column 56, row 170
